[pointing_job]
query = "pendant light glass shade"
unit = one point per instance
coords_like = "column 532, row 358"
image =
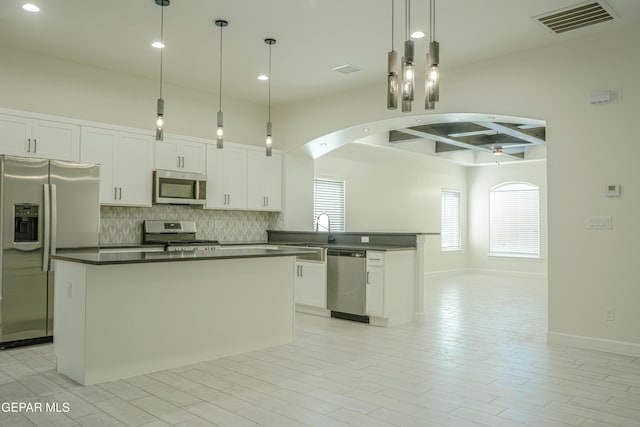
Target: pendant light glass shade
column 432, row 73
column 160, row 102
column 408, row 76
column 392, row 68
column 220, row 130
column 160, row 120
column 269, row 139
column 408, row 72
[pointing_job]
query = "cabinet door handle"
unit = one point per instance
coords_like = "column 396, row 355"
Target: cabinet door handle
column 228, row 199
column 119, row 193
column 178, row 159
column 182, row 162
column 301, row 275
column 367, row 277
column 35, row 145
column 115, row 193
column 28, row 145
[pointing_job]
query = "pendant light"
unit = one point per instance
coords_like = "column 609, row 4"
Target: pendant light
column 392, row 68
column 270, row 42
column 160, row 103
column 407, row 63
column 220, row 131
column 432, row 74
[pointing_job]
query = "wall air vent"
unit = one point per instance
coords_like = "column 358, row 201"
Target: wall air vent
column 576, row 16
column 346, row 69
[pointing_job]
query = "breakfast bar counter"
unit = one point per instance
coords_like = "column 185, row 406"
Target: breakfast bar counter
column 120, row 315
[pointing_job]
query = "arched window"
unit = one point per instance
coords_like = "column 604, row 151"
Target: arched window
column 514, row 220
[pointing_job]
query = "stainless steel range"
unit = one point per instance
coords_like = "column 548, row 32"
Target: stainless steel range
column 175, row 235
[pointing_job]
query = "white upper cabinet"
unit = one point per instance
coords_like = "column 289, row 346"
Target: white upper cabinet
column 181, row 155
column 264, row 181
column 226, row 178
column 23, row 136
column 126, row 164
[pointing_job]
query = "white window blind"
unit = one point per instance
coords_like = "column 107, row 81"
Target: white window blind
column 450, row 221
column 328, row 198
column 515, row 220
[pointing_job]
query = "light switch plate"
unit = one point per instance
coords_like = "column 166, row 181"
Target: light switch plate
column 364, row 239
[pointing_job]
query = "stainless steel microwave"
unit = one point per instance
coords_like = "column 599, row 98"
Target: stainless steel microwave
column 179, row 188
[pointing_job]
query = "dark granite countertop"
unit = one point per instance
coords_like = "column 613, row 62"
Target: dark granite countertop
column 347, row 246
column 96, row 258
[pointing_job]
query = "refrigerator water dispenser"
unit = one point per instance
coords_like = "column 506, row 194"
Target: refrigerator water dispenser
column 25, row 223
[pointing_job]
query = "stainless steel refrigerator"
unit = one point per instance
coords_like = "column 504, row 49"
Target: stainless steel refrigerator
column 45, row 205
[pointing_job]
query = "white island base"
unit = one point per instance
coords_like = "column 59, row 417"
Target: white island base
column 119, row 320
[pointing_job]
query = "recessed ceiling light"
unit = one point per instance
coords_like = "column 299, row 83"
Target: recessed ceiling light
column 158, row 45
column 323, row 144
column 419, row 120
column 30, row 7
column 366, row 129
column 263, row 77
column 417, row 35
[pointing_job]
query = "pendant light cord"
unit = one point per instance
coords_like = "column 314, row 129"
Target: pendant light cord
column 220, row 86
column 161, row 41
column 407, row 10
column 393, row 18
column 270, row 45
column 432, row 19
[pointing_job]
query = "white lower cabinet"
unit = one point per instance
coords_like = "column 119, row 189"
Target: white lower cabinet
column 126, row 165
column 311, row 284
column 375, row 284
column 390, row 295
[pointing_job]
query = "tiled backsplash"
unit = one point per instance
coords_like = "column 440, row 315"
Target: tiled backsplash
column 124, row 225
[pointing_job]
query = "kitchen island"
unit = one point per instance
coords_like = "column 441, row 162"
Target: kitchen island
column 125, row 314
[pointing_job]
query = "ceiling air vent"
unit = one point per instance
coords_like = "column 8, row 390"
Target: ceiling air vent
column 577, row 16
column 346, row 69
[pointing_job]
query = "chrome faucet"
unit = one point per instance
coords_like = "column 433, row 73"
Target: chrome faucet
column 326, row 226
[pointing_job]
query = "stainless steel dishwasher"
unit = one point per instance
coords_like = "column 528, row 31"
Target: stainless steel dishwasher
column 346, row 284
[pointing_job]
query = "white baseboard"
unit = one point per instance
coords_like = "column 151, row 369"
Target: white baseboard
column 316, row 311
column 444, row 273
column 591, row 343
column 506, row 273
column 458, row 271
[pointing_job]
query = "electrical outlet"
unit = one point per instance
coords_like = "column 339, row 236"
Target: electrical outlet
column 364, row 239
column 609, row 314
column 599, row 223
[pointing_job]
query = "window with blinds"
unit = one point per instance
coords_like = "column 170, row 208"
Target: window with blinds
column 514, row 220
column 450, row 221
column 328, row 198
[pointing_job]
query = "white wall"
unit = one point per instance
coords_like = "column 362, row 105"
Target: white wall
column 47, row 85
column 395, row 191
column 480, row 180
column 588, row 147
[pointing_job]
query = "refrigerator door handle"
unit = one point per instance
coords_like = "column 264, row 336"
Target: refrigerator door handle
column 47, row 226
column 54, row 218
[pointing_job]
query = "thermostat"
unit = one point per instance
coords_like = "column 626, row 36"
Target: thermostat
column 613, row 190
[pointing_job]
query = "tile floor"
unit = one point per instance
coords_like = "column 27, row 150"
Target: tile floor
column 479, row 359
